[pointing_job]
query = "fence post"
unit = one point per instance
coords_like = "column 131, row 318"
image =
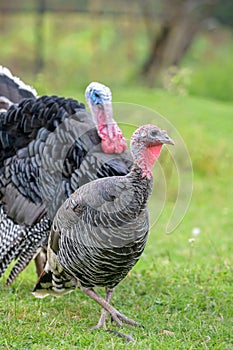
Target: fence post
column 39, row 36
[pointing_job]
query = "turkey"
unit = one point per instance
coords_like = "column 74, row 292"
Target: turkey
column 12, row 89
column 50, row 146
column 100, row 231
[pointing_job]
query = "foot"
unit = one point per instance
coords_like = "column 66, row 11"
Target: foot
column 118, row 317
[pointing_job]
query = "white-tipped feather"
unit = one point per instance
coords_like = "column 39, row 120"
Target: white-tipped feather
column 5, row 104
column 5, row 71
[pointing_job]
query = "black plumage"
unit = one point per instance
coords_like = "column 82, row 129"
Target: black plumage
column 14, row 89
column 49, row 147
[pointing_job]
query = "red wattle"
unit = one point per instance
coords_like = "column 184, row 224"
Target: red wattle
column 152, row 154
column 148, row 158
column 112, row 140
column 113, row 146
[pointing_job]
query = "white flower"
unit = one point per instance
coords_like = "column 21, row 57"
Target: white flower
column 191, row 240
column 196, row 231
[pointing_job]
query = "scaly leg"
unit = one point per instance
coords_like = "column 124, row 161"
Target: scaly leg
column 102, row 320
column 116, row 315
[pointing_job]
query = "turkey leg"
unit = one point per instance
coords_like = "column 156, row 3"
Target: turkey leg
column 102, row 320
column 116, row 315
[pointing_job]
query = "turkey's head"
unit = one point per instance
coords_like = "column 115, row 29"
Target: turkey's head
column 99, row 100
column 146, row 145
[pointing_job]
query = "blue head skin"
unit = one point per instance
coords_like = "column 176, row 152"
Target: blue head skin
column 99, row 100
column 98, row 94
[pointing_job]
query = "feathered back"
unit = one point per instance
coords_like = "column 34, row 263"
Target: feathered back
column 50, row 147
column 13, row 88
column 20, row 124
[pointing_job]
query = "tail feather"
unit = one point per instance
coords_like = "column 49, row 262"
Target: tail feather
column 43, row 284
column 13, row 88
column 30, row 246
column 50, row 284
column 24, row 259
column 5, row 103
column 20, row 244
column 10, row 246
column 6, row 260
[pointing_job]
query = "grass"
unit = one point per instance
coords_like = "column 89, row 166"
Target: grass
column 181, row 289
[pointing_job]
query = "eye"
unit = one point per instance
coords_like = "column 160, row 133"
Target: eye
column 96, row 94
column 154, row 133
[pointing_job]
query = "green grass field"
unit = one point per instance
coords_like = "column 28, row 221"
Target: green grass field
column 181, row 289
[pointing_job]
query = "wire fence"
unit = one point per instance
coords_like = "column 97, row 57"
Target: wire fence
column 99, row 10
column 132, row 8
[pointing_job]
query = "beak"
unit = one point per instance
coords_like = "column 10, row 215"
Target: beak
column 163, row 137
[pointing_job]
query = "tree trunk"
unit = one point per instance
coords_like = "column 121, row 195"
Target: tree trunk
column 175, row 37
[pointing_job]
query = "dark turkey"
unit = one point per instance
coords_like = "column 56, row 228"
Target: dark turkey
column 50, row 146
column 101, row 230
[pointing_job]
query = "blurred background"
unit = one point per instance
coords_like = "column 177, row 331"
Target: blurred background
column 184, row 46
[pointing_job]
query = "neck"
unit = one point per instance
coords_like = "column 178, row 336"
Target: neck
column 112, row 140
column 107, row 132
column 146, row 159
column 143, row 188
column 106, row 126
